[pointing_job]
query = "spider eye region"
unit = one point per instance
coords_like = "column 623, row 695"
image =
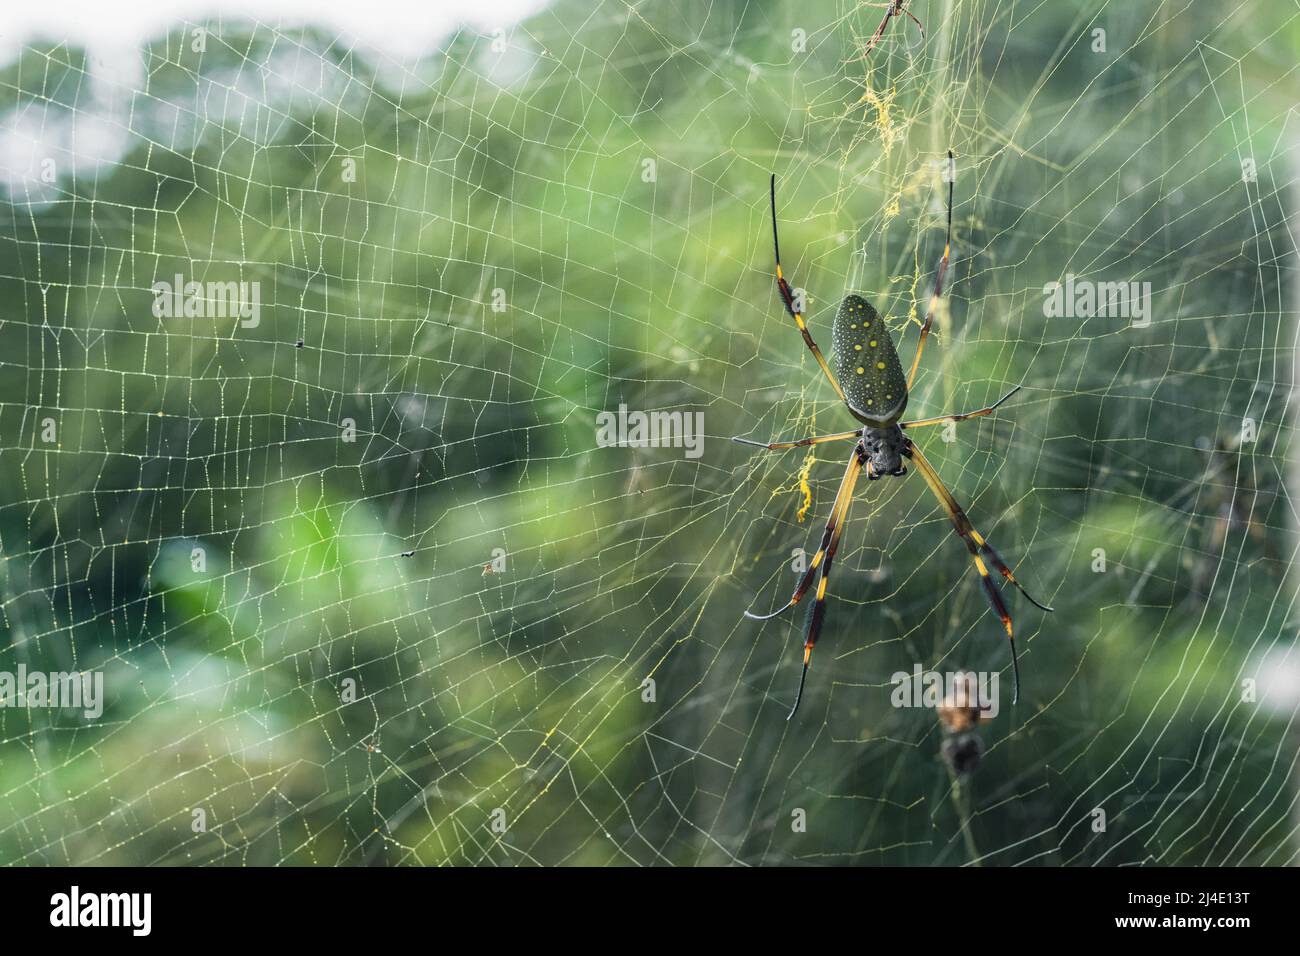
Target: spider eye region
column 866, row 363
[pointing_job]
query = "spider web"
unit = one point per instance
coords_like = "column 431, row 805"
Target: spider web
column 470, row 635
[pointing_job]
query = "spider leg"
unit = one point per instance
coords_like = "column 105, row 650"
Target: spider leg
column 890, row 8
column 837, row 509
column 940, row 419
column 979, row 549
column 817, row 613
column 917, row 22
column 938, row 283
column 787, row 296
column 815, row 440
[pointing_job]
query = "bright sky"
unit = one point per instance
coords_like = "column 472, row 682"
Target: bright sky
column 389, row 31
column 399, row 28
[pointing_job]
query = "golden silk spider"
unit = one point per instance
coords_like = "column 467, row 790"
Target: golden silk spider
column 894, row 8
column 875, row 393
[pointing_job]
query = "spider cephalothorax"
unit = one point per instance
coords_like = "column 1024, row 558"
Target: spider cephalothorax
column 886, row 448
column 869, row 379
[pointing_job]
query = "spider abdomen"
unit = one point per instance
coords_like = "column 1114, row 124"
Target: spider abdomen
column 866, row 364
